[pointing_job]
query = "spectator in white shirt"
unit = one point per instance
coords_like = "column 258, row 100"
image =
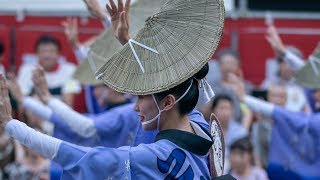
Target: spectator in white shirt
column 58, row 74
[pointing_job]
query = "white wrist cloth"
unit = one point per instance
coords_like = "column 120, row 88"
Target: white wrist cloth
column 80, row 124
column 259, row 106
column 37, row 108
column 43, row 144
column 293, row 60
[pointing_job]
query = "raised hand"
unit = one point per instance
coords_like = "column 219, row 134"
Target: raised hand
column 95, row 9
column 5, row 106
column 14, row 88
column 120, row 20
column 40, row 84
column 71, row 31
column 275, row 41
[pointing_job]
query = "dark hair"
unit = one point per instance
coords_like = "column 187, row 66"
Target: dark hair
column 243, row 144
column 47, row 39
column 228, row 51
column 1, row 48
column 221, row 97
column 189, row 101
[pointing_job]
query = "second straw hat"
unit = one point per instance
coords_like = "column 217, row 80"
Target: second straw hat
column 309, row 75
column 175, row 43
column 106, row 44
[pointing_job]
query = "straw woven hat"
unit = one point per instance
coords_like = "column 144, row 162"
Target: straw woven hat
column 106, row 44
column 182, row 36
column 309, row 75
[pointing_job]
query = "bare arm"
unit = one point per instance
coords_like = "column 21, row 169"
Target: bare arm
column 276, row 43
column 120, row 20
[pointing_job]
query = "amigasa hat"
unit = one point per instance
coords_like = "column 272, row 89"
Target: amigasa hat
column 106, row 44
column 174, row 44
column 309, row 75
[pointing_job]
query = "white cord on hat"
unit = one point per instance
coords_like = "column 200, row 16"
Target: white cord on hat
column 135, row 54
column 92, row 63
column 131, row 41
column 313, row 61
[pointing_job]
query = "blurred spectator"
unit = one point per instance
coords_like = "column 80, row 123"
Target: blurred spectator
column 285, row 72
column 27, row 164
column 18, row 163
column 35, row 121
column 58, row 74
column 97, row 11
column 2, row 70
column 241, row 158
column 7, row 155
column 296, row 100
column 229, row 62
column 71, row 31
column 81, row 49
column 294, row 138
column 261, row 129
column 31, row 166
column 223, row 108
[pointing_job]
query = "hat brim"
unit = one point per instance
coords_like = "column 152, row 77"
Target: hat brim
column 307, row 77
column 185, row 34
column 106, row 44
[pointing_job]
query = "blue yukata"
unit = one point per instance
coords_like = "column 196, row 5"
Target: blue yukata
column 312, row 102
column 295, row 145
column 109, row 123
column 115, row 127
column 119, row 126
column 175, row 154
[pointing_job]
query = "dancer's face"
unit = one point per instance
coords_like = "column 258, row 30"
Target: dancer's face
column 147, row 109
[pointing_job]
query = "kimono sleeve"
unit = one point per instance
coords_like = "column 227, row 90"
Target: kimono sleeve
column 117, row 127
column 93, row 163
column 283, row 118
column 295, row 142
column 64, row 132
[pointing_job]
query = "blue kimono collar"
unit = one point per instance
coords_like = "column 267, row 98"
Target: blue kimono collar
column 186, row 140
